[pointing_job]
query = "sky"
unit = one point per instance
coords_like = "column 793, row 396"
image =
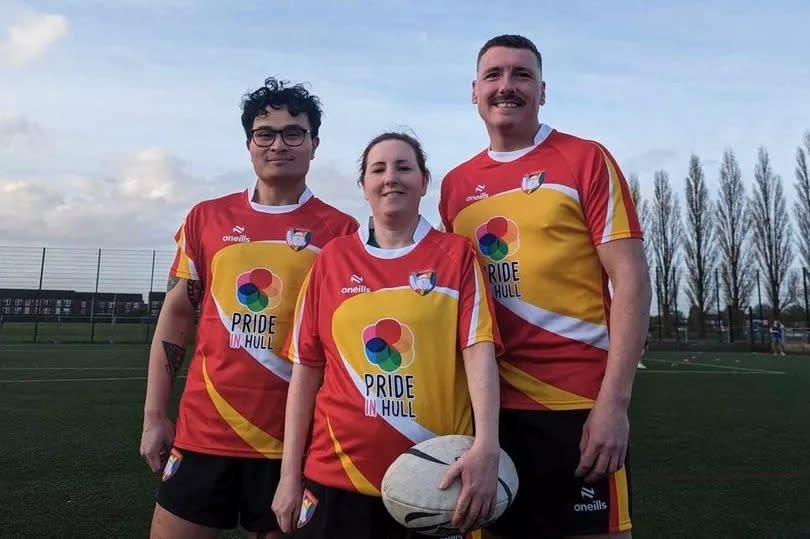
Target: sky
column 117, row 116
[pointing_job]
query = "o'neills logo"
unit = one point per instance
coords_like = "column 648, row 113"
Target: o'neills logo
column 597, row 505
column 236, row 239
column 480, row 194
column 359, row 289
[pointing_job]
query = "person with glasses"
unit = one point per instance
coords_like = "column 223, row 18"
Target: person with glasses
column 394, row 343
column 241, row 260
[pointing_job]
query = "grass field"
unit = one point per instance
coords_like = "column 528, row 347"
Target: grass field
column 76, row 332
column 720, row 444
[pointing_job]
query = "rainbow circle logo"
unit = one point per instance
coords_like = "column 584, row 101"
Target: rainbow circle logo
column 498, row 238
column 389, row 344
column 259, row 289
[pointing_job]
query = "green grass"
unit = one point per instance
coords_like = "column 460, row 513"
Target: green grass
column 716, row 452
column 76, row 332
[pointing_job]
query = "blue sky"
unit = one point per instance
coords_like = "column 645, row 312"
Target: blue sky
column 116, row 116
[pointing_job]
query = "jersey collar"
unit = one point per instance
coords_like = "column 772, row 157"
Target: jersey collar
column 306, row 195
column 506, row 157
column 422, row 229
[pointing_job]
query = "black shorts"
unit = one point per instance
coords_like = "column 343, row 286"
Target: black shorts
column 220, row 492
column 333, row 513
column 551, row 502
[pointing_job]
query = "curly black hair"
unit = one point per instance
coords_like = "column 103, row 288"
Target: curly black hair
column 276, row 94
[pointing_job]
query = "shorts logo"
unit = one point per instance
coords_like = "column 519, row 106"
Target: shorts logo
column 589, row 504
column 298, row 238
column 498, row 238
column 259, row 289
column 422, row 282
column 389, row 345
column 532, row 181
column 308, row 504
column 175, row 457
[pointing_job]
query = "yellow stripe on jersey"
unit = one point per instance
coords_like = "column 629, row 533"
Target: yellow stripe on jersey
column 481, row 322
column 622, row 499
column 185, row 266
column 549, row 396
column 259, row 440
column 298, row 316
column 616, row 219
column 357, row 478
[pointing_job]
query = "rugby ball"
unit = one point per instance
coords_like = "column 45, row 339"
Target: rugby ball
column 410, row 487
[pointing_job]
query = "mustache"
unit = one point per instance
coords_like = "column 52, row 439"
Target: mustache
column 511, row 96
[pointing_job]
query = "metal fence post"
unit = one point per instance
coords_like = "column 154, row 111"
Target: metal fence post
column 39, row 296
column 761, row 316
column 93, row 303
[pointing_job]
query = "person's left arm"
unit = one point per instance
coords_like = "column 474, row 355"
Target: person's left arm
column 606, row 432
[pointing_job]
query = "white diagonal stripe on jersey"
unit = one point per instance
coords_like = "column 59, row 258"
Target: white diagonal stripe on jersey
column 440, row 289
column 267, row 359
column 404, row 425
column 310, row 246
column 566, row 326
column 564, row 189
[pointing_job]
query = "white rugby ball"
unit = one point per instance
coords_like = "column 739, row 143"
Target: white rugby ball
column 410, row 488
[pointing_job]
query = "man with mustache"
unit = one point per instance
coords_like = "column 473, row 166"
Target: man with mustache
column 554, row 224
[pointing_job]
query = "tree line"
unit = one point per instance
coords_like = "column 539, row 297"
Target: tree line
column 723, row 243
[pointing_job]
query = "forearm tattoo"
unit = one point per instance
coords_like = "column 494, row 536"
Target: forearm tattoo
column 172, row 283
column 175, row 354
column 195, row 293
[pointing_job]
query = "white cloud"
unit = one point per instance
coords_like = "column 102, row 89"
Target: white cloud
column 140, row 204
column 31, row 37
column 15, row 126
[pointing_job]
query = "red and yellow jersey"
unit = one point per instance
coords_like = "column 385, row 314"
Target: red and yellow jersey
column 251, row 260
column 388, row 326
column 536, row 217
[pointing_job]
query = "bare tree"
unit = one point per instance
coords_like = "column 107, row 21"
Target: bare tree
column 733, row 227
column 643, row 211
column 802, row 206
column 666, row 236
column 772, row 234
column 699, row 242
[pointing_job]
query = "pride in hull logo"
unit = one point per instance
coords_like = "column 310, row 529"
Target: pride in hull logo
column 498, row 238
column 259, row 289
column 532, row 181
column 389, row 345
column 422, row 282
column 298, row 238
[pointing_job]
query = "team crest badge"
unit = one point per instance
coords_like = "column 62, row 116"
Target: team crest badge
column 422, row 282
column 298, row 238
column 532, row 181
column 175, row 457
column 308, row 504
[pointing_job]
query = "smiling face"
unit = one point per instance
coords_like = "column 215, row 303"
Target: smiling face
column 393, row 183
column 509, row 89
column 280, row 162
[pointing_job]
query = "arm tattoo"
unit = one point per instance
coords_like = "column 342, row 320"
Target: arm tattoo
column 175, row 354
column 195, row 292
column 172, row 283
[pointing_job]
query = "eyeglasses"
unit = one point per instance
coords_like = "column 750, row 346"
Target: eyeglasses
column 292, row 136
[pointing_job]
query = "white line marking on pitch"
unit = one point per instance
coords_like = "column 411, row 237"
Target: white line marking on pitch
column 72, row 368
column 727, row 373
column 761, row 371
column 74, row 380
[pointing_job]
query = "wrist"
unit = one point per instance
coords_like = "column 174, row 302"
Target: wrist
column 614, row 400
column 487, row 445
column 151, row 415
